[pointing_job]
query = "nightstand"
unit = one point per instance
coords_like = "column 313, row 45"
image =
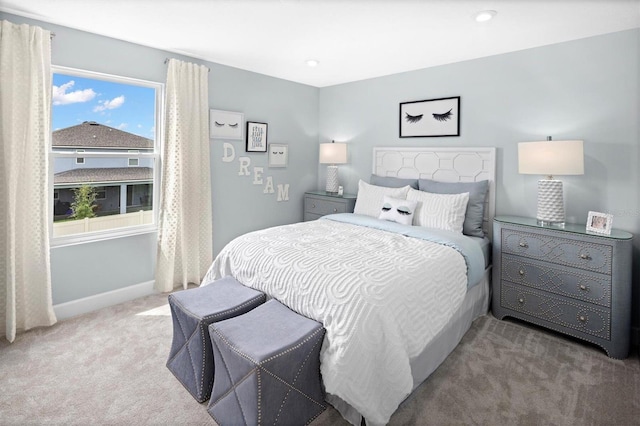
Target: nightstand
column 320, row 203
column 564, row 279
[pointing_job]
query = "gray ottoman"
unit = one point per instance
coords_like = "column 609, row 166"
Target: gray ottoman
column 267, row 368
column 191, row 358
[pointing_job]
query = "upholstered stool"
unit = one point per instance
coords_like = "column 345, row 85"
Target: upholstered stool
column 267, row 368
column 191, row 358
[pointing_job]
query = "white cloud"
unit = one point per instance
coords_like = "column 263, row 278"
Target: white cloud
column 61, row 97
column 122, row 126
column 112, row 104
column 139, row 126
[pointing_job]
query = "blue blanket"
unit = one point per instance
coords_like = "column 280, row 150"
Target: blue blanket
column 466, row 246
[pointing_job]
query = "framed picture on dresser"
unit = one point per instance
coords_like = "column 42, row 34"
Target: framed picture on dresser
column 599, row 223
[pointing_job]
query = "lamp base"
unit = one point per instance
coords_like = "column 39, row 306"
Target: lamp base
column 332, row 179
column 546, row 223
column 550, row 203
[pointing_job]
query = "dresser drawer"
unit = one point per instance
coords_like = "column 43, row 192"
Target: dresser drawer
column 569, row 314
column 575, row 283
column 578, row 254
column 322, row 207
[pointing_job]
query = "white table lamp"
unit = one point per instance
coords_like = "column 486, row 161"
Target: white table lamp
column 551, row 158
column 333, row 153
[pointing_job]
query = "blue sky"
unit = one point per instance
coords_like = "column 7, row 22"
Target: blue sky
column 121, row 106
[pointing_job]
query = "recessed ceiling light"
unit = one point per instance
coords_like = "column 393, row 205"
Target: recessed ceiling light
column 485, row 15
column 312, row 63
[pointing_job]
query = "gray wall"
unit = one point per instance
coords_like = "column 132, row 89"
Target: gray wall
column 586, row 89
column 290, row 109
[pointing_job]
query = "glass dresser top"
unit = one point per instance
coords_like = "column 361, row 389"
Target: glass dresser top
column 568, row 227
column 331, row 194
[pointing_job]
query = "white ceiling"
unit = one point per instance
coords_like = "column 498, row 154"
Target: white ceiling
column 352, row 39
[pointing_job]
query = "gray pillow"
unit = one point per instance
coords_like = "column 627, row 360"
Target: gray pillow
column 393, row 182
column 475, row 208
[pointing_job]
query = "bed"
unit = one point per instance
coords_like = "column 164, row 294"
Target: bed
column 395, row 299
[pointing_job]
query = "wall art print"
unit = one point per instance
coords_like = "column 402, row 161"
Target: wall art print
column 278, row 155
column 256, row 137
column 430, row 118
column 225, row 124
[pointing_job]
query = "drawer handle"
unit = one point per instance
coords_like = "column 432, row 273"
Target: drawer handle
column 335, row 210
column 521, row 272
column 584, row 287
column 582, row 318
column 313, row 206
column 521, row 300
column 584, row 256
column 523, row 244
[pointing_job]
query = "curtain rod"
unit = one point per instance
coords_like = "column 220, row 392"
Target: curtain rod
column 166, row 60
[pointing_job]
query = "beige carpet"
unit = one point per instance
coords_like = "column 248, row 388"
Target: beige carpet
column 108, row 367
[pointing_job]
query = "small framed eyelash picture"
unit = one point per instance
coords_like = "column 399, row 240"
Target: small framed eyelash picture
column 430, row 118
column 278, row 155
column 225, row 124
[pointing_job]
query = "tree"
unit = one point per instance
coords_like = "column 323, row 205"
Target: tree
column 84, row 202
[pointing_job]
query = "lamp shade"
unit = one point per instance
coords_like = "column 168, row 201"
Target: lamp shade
column 551, row 158
column 333, row 153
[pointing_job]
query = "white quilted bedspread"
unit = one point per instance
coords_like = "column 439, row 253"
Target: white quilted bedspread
column 381, row 297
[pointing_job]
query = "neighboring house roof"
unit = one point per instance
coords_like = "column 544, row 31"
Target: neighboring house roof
column 94, row 135
column 103, row 174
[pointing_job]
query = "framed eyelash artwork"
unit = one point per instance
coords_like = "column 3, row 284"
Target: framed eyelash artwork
column 430, row 118
column 225, row 124
column 278, row 155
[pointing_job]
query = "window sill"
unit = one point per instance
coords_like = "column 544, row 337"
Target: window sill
column 92, row 237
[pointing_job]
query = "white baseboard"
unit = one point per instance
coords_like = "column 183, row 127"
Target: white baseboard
column 102, row 300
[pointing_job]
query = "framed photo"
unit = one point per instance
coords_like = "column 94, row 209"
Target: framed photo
column 278, row 155
column 225, row 124
column 599, row 223
column 430, row 118
column 256, row 137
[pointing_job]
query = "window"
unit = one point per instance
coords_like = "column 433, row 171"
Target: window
column 106, row 118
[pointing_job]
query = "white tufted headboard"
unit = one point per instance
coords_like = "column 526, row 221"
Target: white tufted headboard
column 442, row 164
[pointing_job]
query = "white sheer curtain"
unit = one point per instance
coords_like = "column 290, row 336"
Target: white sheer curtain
column 184, row 239
column 25, row 134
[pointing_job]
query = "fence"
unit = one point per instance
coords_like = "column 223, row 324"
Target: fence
column 101, row 223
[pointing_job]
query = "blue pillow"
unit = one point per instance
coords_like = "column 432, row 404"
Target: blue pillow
column 393, row 182
column 475, row 207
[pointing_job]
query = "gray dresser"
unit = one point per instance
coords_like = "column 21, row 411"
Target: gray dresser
column 565, row 279
column 320, row 203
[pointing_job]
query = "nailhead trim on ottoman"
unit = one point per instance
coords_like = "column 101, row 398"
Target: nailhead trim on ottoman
column 267, row 368
column 191, row 356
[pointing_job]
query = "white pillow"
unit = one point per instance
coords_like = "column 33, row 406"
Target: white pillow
column 442, row 211
column 371, row 197
column 398, row 210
